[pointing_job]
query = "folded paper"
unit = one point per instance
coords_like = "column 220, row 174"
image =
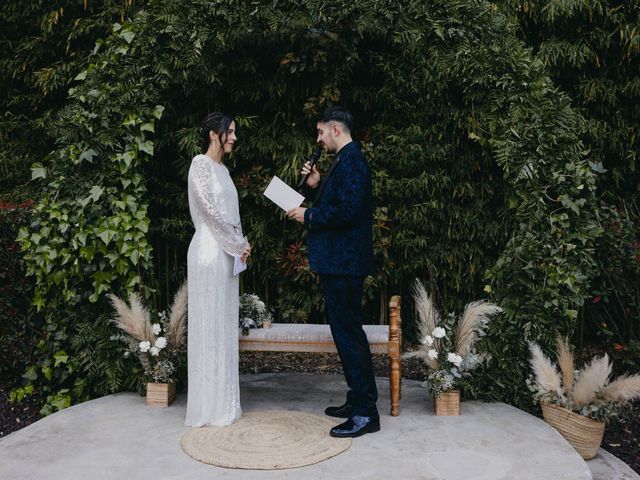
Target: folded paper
column 238, row 266
column 283, row 195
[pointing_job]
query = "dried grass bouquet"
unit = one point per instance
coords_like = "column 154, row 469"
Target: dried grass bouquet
column 588, row 392
column 449, row 357
column 156, row 344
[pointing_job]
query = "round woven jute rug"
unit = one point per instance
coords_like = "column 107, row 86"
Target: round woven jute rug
column 266, row 440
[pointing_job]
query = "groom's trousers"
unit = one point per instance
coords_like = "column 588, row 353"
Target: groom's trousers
column 343, row 297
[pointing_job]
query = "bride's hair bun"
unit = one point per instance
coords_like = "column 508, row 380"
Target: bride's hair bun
column 217, row 122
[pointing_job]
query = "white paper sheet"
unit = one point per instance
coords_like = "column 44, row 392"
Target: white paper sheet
column 238, row 266
column 283, row 195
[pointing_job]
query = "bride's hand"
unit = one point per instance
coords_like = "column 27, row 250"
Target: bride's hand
column 245, row 254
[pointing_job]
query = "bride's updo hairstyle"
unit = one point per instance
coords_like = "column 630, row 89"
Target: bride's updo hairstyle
column 219, row 123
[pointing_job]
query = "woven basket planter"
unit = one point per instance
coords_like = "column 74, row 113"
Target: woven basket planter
column 583, row 433
column 447, row 403
column 160, row 394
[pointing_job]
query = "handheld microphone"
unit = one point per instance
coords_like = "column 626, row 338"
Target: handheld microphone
column 313, row 160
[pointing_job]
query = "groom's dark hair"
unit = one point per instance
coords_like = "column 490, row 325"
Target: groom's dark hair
column 338, row 114
column 219, row 123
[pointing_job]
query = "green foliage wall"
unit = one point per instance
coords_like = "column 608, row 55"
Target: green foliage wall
column 592, row 52
column 44, row 46
column 481, row 184
column 591, row 49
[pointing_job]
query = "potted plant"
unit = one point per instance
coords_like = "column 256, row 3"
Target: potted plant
column 156, row 344
column 577, row 403
column 449, row 357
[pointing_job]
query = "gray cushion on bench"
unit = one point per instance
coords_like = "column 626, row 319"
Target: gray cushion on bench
column 300, row 337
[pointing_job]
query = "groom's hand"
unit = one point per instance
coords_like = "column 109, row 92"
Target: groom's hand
column 297, row 214
column 314, row 175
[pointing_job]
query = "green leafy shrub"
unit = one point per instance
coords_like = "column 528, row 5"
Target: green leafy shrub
column 592, row 52
column 612, row 315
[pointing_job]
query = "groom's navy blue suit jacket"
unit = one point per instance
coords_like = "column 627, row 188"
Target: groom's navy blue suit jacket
column 340, row 224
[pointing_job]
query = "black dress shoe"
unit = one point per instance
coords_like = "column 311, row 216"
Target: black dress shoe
column 343, row 411
column 356, row 426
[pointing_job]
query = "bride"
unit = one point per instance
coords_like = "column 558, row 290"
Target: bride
column 214, row 392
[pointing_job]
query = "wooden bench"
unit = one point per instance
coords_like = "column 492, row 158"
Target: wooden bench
column 295, row 337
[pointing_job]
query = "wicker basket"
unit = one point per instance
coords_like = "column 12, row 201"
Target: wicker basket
column 583, row 433
column 160, row 394
column 447, row 403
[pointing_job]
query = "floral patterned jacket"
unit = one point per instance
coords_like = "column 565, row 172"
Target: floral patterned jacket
column 340, row 237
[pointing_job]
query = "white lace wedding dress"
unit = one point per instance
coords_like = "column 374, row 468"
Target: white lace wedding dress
column 214, row 392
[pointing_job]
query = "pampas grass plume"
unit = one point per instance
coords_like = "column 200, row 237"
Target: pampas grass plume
column 592, row 380
column 474, row 320
column 134, row 320
column 565, row 360
column 142, row 312
column 177, row 329
column 623, row 389
column 429, row 316
column 547, row 376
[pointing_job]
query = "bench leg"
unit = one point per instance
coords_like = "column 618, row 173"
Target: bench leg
column 395, row 367
column 394, row 380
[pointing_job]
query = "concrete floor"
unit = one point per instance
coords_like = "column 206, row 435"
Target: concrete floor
column 119, row 437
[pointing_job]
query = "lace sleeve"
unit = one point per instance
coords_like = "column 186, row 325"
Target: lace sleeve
column 212, row 204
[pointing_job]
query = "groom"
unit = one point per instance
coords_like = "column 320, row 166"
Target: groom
column 340, row 247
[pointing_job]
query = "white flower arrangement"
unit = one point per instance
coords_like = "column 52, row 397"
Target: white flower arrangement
column 455, row 359
column 449, row 357
column 253, row 312
column 157, row 345
column 439, row 332
column 427, row 340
